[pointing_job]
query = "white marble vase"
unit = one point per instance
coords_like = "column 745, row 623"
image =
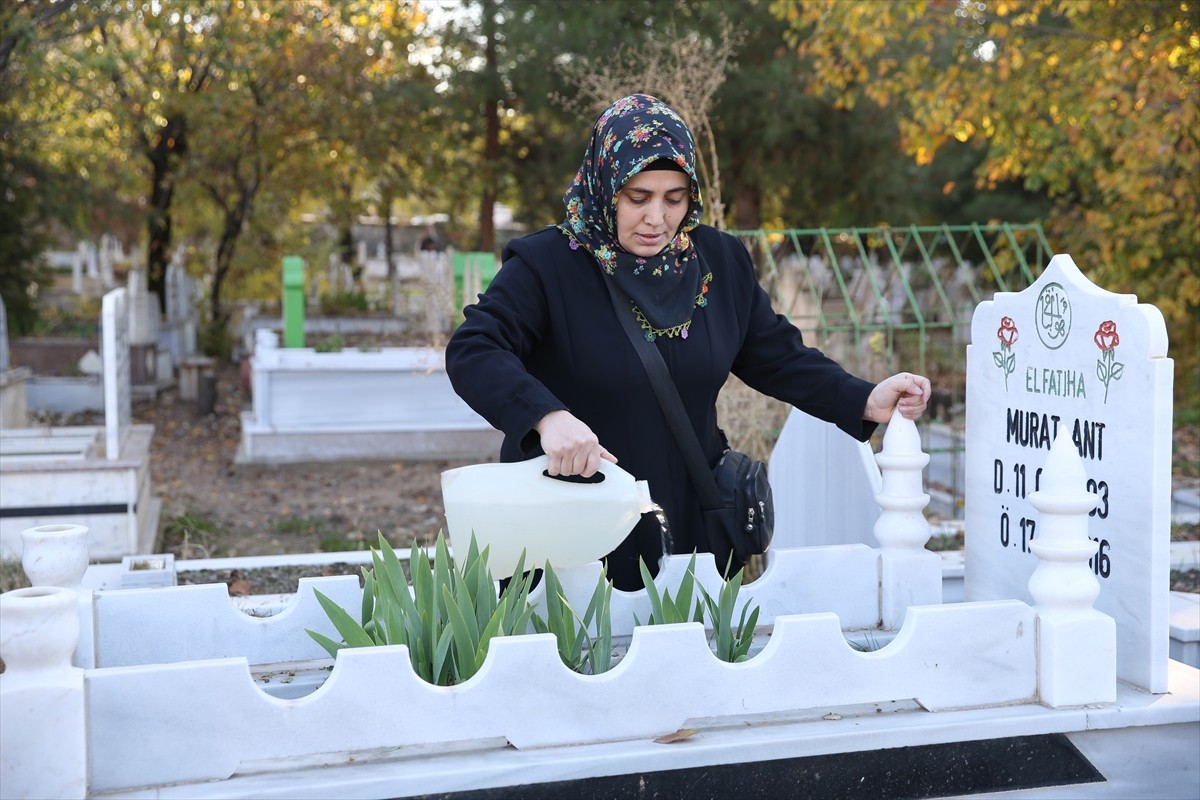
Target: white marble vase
column 43, row 749
column 55, row 555
column 39, row 629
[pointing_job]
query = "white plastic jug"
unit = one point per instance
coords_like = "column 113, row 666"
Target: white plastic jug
column 515, row 506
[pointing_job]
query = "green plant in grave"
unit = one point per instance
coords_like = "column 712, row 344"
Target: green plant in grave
column 447, row 618
column 729, row 643
column 663, row 609
column 330, row 344
column 579, row 650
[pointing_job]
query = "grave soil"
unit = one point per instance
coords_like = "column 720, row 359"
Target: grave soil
column 214, row 507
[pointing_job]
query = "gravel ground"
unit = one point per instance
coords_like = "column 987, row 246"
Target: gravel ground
column 1185, row 580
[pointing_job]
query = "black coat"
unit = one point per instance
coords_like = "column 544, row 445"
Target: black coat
column 544, row 336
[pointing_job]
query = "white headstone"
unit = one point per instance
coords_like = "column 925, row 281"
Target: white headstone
column 824, row 484
column 77, row 270
column 171, row 292
column 90, row 258
column 180, row 290
column 182, row 310
column 142, row 306
column 3, row 337
column 118, row 405
column 105, row 258
column 1066, row 353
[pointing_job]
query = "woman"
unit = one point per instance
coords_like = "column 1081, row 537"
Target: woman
column 543, row 356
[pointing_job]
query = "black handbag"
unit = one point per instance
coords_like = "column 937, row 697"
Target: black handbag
column 735, row 495
column 746, row 516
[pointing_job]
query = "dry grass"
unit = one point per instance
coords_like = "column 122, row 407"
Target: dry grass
column 752, row 421
column 683, row 71
column 12, row 575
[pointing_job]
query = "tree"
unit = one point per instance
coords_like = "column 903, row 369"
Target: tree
column 398, row 120
column 785, row 153
column 505, row 62
column 492, row 98
column 683, row 69
column 471, row 67
column 679, row 51
column 304, row 85
column 28, row 176
column 158, row 60
column 21, row 244
column 248, row 130
column 1092, row 103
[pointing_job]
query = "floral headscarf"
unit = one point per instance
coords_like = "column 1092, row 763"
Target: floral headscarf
column 631, row 134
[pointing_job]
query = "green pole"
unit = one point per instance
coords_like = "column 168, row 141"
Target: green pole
column 293, row 301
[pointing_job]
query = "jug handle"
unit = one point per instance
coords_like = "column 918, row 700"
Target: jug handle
column 607, row 469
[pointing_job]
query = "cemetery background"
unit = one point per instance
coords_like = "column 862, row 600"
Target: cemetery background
column 888, row 185
column 216, row 505
column 213, row 508
column 974, row 683
column 1111, row 199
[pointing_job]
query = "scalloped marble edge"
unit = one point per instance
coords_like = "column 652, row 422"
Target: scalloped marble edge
column 187, row 623
column 200, row 621
column 960, row 656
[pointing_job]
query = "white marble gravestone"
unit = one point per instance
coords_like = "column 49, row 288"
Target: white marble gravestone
column 142, row 307
column 3, row 337
column 13, row 397
column 1066, row 353
column 178, row 336
column 824, row 485
column 118, row 405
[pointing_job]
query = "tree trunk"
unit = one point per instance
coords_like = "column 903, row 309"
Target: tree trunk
column 486, row 242
column 346, row 233
column 393, row 284
column 224, row 262
column 164, row 154
column 747, row 206
column 389, row 250
column 234, row 222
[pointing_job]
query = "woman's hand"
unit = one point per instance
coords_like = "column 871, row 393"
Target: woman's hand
column 905, row 392
column 572, row 447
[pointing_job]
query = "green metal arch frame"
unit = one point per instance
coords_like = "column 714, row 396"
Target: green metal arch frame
column 1008, row 257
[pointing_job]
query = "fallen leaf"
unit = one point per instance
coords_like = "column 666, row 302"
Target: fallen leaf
column 238, row 586
column 677, row 736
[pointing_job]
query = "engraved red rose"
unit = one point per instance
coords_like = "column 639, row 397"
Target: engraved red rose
column 1004, row 358
column 1108, row 369
column 1106, row 337
column 1007, row 332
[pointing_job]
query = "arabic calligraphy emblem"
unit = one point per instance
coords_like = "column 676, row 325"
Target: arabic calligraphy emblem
column 1052, row 316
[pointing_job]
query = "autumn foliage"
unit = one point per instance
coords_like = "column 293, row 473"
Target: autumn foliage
column 1093, row 102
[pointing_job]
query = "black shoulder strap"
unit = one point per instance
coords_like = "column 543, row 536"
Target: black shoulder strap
column 672, row 405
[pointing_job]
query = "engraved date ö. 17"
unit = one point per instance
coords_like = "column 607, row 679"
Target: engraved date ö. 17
column 1015, row 482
